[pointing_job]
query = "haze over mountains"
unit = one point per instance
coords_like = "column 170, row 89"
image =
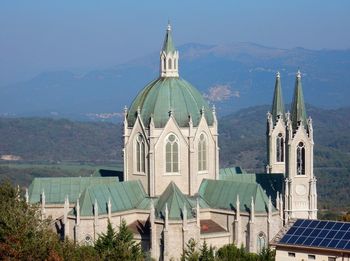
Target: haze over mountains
column 231, row 76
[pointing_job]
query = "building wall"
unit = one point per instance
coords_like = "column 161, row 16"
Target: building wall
column 274, row 166
column 155, row 179
column 293, row 254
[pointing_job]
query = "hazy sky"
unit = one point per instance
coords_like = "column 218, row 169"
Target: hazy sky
column 43, row 35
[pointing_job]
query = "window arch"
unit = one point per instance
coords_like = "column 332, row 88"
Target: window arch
column 280, row 148
column 164, row 63
column 175, row 63
column 172, row 154
column 140, row 154
column 169, row 64
column 301, row 159
column 202, row 153
column 261, row 242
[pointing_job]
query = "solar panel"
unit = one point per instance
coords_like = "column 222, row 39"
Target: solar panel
column 317, row 233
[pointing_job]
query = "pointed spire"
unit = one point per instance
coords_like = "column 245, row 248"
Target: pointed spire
column 95, row 208
column 169, row 57
column 77, row 209
column 238, row 208
column 184, row 215
column 109, row 209
column 198, row 213
column 168, row 45
column 277, row 103
column 166, row 223
column 298, row 112
column 27, row 196
column 152, row 214
column 252, row 211
column 66, row 209
column 269, row 209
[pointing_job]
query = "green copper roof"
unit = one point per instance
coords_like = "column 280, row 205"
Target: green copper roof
column 56, row 189
column 123, row 195
column 222, row 194
column 298, row 112
column 271, row 184
column 163, row 95
column 168, row 45
column 175, row 200
column 231, row 171
column 277, row 104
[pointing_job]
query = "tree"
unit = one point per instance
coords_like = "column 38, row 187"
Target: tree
column 106, row 243
column 206, row 254
column 118, row 245
column 231, row 252
column 23, row 235
column 267, row 255
column 190, row 253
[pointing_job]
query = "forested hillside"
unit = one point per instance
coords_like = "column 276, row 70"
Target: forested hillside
column 242, row 142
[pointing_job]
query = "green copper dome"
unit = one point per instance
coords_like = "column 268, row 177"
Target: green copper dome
column 169, row 95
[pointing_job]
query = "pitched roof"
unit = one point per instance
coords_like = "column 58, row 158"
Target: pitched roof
column 277, row 109
column 270, row 183
column 56, row 189
column 222, row 194
column 298, row 111
column 123, row 195
column 175, row 200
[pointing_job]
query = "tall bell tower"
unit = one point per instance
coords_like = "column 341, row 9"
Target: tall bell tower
column 300, row 183
column 276, row 132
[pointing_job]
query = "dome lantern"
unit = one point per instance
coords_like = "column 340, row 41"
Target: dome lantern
column 169, row 57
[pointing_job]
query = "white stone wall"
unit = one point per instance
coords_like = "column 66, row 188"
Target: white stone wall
column 273, row 132
column 155, row 179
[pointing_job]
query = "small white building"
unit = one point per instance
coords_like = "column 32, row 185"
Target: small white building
column 319, row 240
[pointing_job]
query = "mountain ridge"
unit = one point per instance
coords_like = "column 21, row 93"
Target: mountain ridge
column 244, row 70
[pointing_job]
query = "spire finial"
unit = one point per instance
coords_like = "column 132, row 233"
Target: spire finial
column 278, row 75
column 298, row 74
column 169, row 26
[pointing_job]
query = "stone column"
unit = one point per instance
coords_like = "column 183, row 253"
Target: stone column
column 43, row 203
column 166, row 234
column 77, row 222
column 95, row 220
column 252, row 236
column 65, row 217
column 191, row 160
column 151, row 159
column 153, row 234
column 269, row 220
column 184, row 227
column 238, row 224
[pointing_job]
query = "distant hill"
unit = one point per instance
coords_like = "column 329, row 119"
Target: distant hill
column 232, row 76
column 241, row 137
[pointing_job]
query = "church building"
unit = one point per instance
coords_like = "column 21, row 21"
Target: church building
column 172, row 188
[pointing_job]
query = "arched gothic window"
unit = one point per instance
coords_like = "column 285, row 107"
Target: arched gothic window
column 140, row 154
column 172, row 154
column 169, row 64
column 164, row 63
column 301, row 159
column 280, row 148
column 202, row 153
column 261, row 242
column 174, row 63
